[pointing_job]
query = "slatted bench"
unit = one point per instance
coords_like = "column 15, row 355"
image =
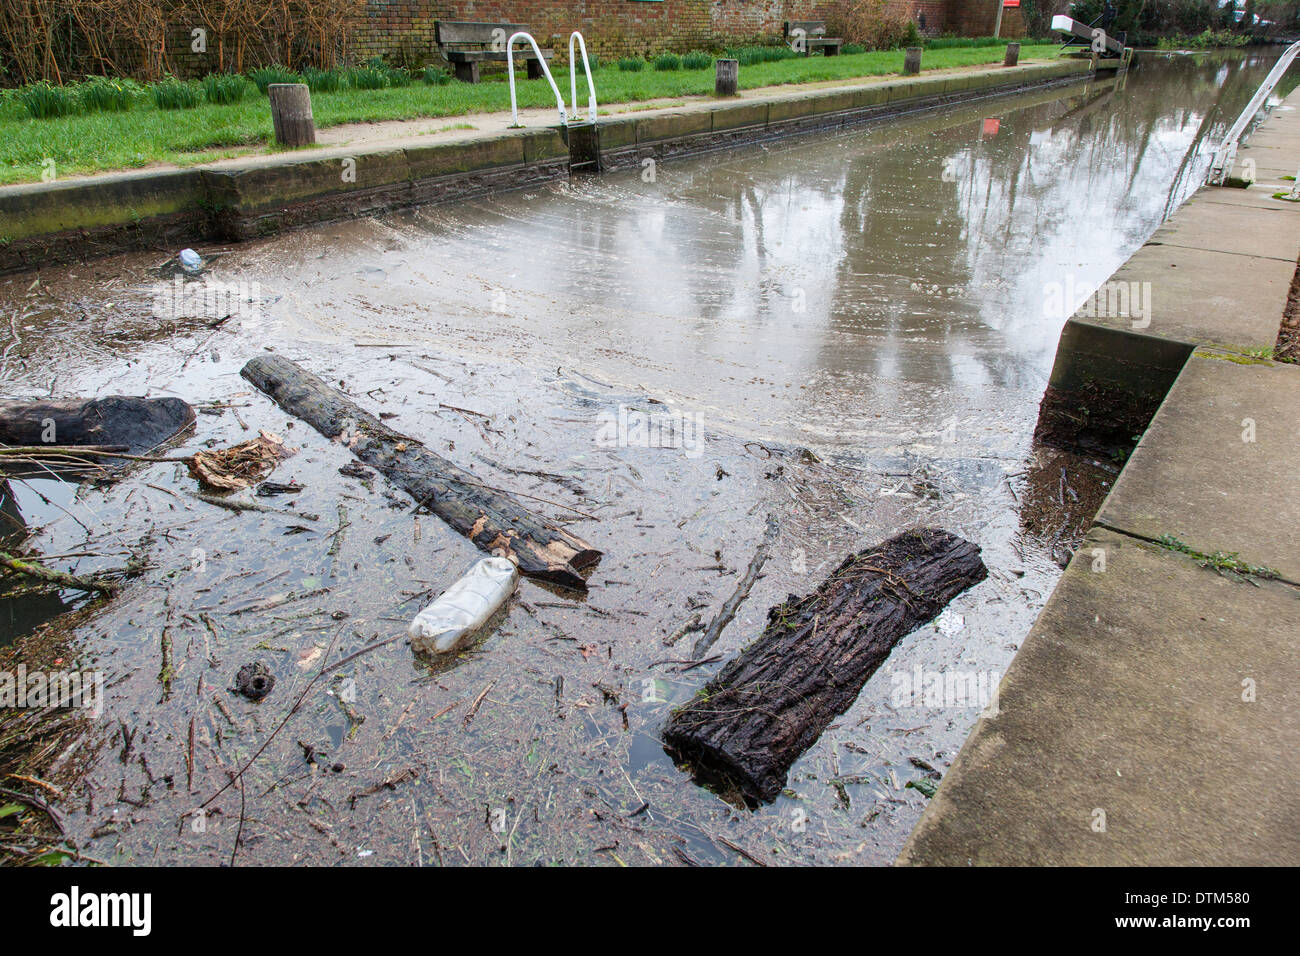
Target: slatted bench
column 466, row 45
column 814, row 34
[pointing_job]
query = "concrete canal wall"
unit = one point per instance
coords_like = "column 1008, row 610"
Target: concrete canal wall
column 1152, row 715
column 242, row 199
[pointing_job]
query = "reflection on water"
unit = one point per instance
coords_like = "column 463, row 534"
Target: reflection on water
column 876, row 296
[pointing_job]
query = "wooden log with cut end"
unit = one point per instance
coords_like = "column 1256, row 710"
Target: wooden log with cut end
column 749, row 724
column 291, row 116
column 491, row 519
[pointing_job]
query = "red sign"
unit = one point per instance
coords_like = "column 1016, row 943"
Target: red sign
column 991, row 127
column 1011, row 3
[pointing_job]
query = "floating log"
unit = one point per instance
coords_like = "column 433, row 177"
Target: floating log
column 749, row 724
column 491, row 519
column 139, row 424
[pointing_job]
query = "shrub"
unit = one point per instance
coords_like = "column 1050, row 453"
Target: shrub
column 849, row 49
column 323, row 81
column 266, row 75
column 44, row 100
column 697, row 60
column 631, row 65
column 224, row 88
column 367, row 78
column 872, row 23
column 174, row 94
column 668, row 62
column 395, row 76
column 111, row 96
column 963, row 43
column 749, row 55
column 436, row 77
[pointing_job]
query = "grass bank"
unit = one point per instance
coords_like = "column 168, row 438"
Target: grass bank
column 145, row 135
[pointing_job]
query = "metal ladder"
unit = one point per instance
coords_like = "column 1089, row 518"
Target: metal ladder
column 1226, row 155
column 546, row 70
column 573, row 78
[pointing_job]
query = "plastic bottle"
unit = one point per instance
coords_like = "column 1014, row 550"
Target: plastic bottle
column 463, row 608
column 191, row 262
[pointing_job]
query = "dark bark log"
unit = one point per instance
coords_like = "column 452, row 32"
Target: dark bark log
column 139, row 424
column 771, row 703
column 491, row 519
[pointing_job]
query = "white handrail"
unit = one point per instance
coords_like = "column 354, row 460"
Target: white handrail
column 510, row 71
column 1226, row 155
column 573, row 78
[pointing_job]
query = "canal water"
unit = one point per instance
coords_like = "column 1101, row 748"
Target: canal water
column 850, row 332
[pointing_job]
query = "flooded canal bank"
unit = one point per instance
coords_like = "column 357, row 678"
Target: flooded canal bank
column 848, row 332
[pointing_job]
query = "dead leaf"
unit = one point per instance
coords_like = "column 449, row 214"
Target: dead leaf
column 240, row 465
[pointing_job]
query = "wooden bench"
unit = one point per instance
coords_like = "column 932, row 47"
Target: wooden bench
column 814, row 36
column 466, row 45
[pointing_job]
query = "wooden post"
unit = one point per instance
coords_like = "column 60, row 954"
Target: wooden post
column 997, row 24
column 1013, row 54
column 912, row 61
column 291, row 114
column 727, row 79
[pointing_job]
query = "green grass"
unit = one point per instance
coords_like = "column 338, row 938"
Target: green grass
column 92, row 142
column 225, row 88
column 1226, row 563
column 174, row 94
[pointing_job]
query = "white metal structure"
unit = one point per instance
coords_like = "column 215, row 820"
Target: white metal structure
column 573, row 78
column 1226, row 155
column 510, row 72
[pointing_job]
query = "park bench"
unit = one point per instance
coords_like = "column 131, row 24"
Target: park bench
column 466, row 45
column 814, row 36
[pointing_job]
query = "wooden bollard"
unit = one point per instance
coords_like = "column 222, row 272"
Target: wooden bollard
column 912, row 61
column 291, row 114
column 727, row 79
column 1013, row 54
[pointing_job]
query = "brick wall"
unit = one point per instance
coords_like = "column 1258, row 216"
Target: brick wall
column 403, row 29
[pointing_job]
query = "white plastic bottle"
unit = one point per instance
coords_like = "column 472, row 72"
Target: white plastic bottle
column 463, row 608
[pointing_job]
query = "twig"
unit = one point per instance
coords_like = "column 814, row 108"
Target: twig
column 61, row 578
column 36, row 802
column 742, row 851
column 686, row 628
column 232, row 504
column 292, row 710
column 728, row 611
column 473, row 708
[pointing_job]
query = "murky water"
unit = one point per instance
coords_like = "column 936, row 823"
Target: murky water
column 875, row 297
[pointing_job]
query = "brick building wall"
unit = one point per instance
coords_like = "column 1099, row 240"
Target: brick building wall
column 403, row 29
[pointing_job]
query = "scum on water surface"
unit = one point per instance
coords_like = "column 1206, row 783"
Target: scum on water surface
column 873, row 297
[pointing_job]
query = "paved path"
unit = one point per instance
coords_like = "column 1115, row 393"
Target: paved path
column 1153, row 714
